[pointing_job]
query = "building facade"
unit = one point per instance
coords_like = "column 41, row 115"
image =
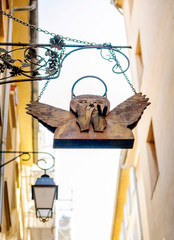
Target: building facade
column 17, row 129
column 149, row 27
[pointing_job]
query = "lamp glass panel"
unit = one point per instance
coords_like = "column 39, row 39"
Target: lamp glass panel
column 44, row 213
column 44, row 197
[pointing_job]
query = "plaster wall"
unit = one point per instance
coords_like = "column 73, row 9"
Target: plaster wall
column 24, row 89
column 153, row 23
column 19, row 135
column 124, row 183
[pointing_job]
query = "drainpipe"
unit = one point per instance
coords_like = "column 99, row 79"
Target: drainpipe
column 6, row 106
column 137, row 197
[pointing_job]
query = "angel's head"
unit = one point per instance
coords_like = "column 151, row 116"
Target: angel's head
column 98, row 103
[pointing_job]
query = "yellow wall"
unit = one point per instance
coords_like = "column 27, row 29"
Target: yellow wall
column 21, row 34
column 19, row 135
column 121, row 200
column 149, row 27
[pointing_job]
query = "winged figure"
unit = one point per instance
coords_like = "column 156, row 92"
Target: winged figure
column 90, row 123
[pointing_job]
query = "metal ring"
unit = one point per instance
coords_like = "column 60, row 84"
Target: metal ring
column 89, row 76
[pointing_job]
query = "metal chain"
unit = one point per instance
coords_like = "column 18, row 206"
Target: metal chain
column 26, row 24
column 67, row 39
column 43, row 89
column 49, row 33
column 45, row 31
column 120, row 67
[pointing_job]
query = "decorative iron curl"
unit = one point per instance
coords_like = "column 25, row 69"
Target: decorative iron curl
column 45, row 161
column 112, row 57
column 100, row 47
column 51, row 65
column 28, row 153
column 31, row 65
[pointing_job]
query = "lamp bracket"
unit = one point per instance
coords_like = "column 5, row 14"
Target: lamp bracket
column 27, row 157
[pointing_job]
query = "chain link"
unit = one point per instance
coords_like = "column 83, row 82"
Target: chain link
column 120, row 67
column 45, row 31
column 43, row 89
column 67, row 39
column 26, row 24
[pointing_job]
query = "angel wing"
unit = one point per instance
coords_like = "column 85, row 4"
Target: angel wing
column 51, row 117
column 129, row 112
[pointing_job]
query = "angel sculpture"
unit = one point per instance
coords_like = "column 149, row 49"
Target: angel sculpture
column 90, row 123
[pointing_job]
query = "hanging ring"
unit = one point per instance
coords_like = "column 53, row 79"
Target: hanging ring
column 88, row 76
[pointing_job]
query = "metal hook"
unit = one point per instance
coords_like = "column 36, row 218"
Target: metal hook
column 29, row 156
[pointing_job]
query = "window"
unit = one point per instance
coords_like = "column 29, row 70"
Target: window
column 122, row 233
column 132, row 181
column 139, row 60
column 126, row 216
column 4, row 5
column 7, row 207
column 0, row 119
column 135, row 233
column 153, row 162
column 7, row 4
column 128, row 201
column 1, row 21
column 131, row 3
column 12, row 117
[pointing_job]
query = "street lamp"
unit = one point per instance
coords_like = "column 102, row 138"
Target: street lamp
column 44, row 192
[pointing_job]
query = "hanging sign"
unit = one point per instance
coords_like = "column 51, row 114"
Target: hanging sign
column 90, row 123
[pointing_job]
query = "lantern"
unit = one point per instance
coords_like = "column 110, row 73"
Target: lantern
column 44, row 192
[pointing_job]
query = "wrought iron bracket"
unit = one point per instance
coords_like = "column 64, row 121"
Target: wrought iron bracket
column 35, row 67
column 28, row 154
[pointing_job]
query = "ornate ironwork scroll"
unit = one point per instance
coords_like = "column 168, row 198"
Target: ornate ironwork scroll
column 44, row 61
column 26, row 156
column 32, row 67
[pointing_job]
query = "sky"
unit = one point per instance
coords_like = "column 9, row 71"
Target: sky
column 85, row 175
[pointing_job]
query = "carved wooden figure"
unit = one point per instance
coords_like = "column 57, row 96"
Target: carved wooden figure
column 90, row 123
